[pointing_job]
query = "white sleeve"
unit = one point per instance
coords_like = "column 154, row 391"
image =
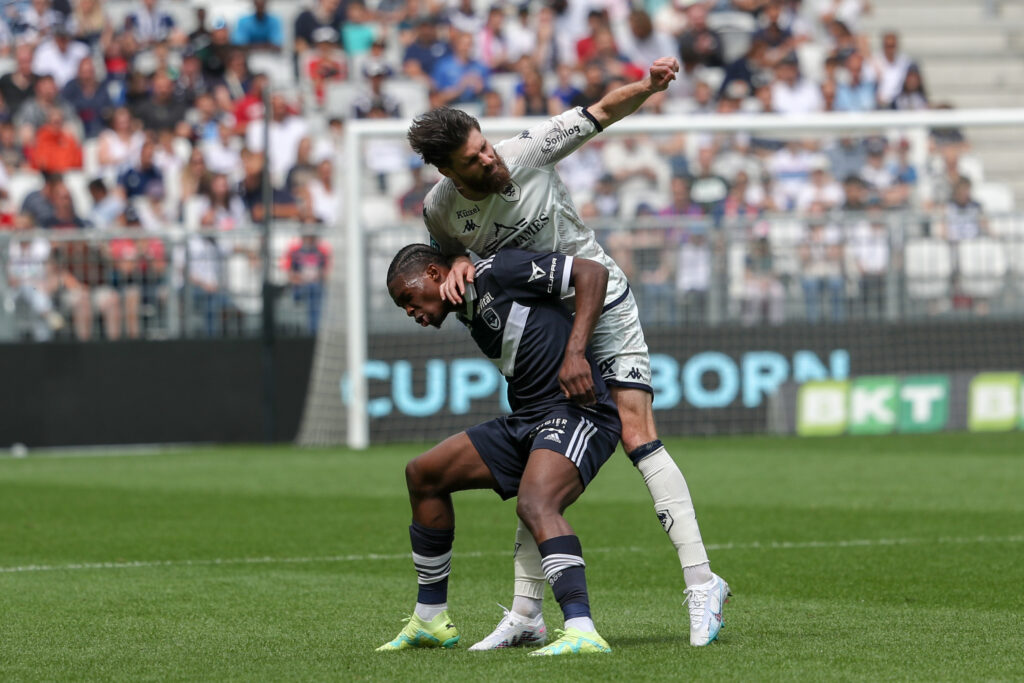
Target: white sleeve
column 549, row 142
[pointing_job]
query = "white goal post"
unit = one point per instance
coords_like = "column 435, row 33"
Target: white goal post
column 914, row 125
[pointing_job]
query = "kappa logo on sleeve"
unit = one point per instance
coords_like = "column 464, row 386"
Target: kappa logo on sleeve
column 537, row 273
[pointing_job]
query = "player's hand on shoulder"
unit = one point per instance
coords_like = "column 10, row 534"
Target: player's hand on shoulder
column 454, row 286
column 576, row 380
column 663, row 72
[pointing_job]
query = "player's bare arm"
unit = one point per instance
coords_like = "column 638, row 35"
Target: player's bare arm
column 621, row 102
column 590, row 280
column 454, row 286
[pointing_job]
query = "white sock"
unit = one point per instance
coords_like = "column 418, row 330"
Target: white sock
column 529, row 575
column 585, row 624
column 526, row 606
column 428, row 612
column 674, row 507
column 695, row 576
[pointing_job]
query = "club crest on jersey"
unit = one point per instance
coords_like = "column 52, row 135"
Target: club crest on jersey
column 511, row 192
column 491, row 318
column 537, row 273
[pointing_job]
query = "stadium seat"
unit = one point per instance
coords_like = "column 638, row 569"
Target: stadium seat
column 1015, row 261
column 928, row 268
column 20, row 185
column 994, row 197
column 278, row 69
column 982, row 266
column 379, row 212
column 812, row 61
column 505, row 85
column 736, row 30
column 77, row 183
column 338, row 98
column 411, row 94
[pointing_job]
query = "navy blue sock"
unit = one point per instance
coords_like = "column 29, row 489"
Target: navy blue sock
column 432, row 556
column 561, row 558
column 641, row 452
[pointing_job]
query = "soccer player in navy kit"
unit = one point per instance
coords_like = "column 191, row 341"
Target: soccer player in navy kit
column 563, row 427
column 510, row 195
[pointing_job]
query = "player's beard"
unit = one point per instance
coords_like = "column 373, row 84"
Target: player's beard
column 493, row 182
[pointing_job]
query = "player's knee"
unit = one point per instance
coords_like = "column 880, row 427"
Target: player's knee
column 532, row 509
column 419, row 478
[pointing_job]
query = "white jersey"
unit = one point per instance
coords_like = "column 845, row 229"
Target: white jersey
column 534, row 212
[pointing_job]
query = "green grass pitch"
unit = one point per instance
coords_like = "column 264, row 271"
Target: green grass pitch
column 850, row 559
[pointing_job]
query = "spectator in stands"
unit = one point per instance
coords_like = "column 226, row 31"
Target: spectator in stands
column 491, row 48
column 640, row 42
column 59, row 56
column 605, row 201
column 520, row 36
column 250, row 107
column 530, row 97
column 107, row 205
column 304, row 169
column 693, row 272
column 764, row 297
column 18, row 86
column 423, row 54
column 138, row 269
column 869, row 244
column 206, row 282
column 222, row 154
column 822, row 193
column 699, row 44
column 90, row 98
column 325, row 195
column 636, row 165
column 214, row 52
column 912, row 95
column 161, row 111
column 880, row 177
column 902, row 169
column 250, row 190
column 357, row 31
column 307, row 263
column 463, row 17
column 595, row 85
column 964, row 218
column 891, row 66
column 36, row 20
column 30, row 282
column 646, row 254
column 38, row 205
column 791, row 168
column 138, row 176
column 260, row 30
column 286, row 130
column 90, row 24
column 236, row 75
column 120, row 144
column 828, row 96
column 36, row 111
column 149, row 24
column 326, row 13
column 857, row 92
column 791, row 92
column 195, row 176
column 376, row 75
column 411, row 203
column 327, row 64
column 54, row 149
column 821, row 269
column 192, row 82
column 708, row 189
column 847, row 157
column 219, row 208
column 778, row 41
column 459, row 78
column 12, row 152
column 564, row 92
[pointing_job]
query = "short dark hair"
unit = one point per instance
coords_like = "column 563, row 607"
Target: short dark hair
column 414, row 258
column 438, row 133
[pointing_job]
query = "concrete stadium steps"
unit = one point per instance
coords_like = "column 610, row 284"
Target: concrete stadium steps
column 970, row 59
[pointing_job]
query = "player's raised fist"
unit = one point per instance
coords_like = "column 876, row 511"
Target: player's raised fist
column 663, row 72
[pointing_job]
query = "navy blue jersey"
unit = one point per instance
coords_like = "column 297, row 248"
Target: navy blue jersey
column 515, row 315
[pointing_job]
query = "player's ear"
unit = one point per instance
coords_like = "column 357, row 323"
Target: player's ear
column 434, row 273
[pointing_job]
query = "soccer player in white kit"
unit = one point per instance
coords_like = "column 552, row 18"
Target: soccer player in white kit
column 510, row 195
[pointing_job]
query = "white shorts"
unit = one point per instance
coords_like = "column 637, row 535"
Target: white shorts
column 619, row 347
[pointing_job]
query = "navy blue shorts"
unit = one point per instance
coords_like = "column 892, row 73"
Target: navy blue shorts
column 587, row 436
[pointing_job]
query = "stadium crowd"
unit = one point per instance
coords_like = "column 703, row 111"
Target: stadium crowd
column 128, row 117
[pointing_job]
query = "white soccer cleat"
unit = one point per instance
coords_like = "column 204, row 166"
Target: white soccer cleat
column 705, row 602
column 514, row 630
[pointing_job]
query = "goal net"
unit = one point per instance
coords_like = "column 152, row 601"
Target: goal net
column 838, row 273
